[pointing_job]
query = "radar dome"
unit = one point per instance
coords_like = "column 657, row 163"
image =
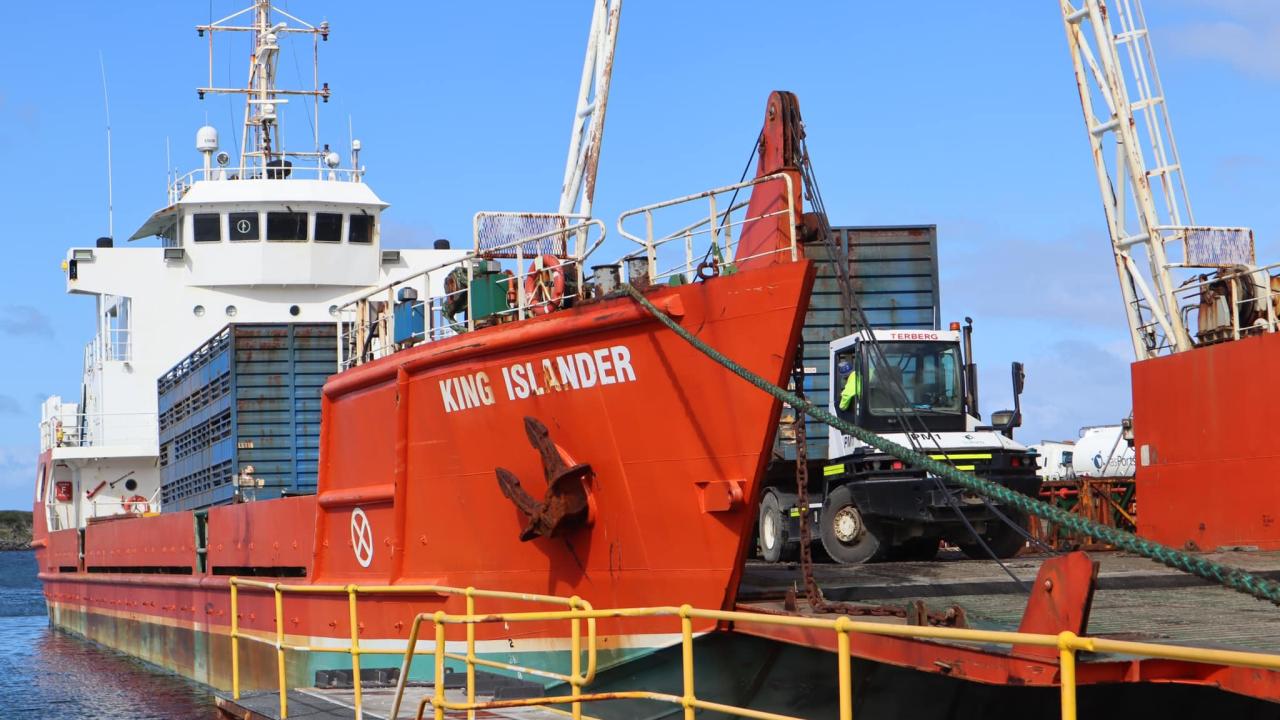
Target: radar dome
column 207, row 139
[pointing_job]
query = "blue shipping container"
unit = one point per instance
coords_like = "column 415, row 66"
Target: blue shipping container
column 246, row 402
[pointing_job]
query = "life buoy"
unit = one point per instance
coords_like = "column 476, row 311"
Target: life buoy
column 137, row 504
column 544, row 284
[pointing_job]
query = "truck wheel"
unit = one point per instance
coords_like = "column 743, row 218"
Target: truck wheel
column 1005, row 542
column 846, row 536
column 770, row 528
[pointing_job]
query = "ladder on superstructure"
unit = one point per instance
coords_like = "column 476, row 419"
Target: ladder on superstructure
column 1126, row 118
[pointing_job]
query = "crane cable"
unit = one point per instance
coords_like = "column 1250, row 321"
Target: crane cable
column 1232, row 577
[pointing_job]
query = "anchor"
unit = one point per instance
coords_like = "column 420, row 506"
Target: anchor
column 566, row 504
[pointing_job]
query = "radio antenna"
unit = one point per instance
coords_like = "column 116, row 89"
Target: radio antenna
column 106, row 104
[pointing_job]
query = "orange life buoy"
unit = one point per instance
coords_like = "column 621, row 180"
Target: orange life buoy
column 544, row 284
column 137, row 504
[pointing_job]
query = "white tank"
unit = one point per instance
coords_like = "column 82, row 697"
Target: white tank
column 1054, row 461
column 1101, row 452
column 207, row 139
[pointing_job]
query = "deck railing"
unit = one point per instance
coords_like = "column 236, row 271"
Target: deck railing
column 550, row 253
column 705, row 238
column 109, row 345
column 81, row 430
column 353, row 593
column 183, row 183
column 578, row 678
column 521, row 277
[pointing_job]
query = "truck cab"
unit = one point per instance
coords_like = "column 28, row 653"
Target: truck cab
column 916, row 388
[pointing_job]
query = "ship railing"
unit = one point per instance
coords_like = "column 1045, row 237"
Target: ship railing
column 499, row 281
column 181, row 184
column 579, row 674
column 80, row 430
column 582, row 660
column 710, row 225
column 109, row 345
column 846, row 632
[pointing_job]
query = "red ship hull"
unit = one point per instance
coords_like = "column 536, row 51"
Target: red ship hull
column 408, row 494
column 1205, row 446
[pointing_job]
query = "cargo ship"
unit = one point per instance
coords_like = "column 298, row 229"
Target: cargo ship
column 519, row 474
column 273, row 393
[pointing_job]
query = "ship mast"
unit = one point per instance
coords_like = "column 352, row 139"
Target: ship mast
column 262, row 144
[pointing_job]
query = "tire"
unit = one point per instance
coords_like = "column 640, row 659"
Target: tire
column 1005, row 542
column 846, row 536
column 769, row 528
column 916, row 549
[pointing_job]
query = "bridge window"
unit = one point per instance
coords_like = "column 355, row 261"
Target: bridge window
column 206, row 227
column 244, row 226
column 361, row 229
column 328, row 227
column 286, row 227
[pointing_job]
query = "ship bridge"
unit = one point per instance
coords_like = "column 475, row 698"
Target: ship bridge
column 240, row 227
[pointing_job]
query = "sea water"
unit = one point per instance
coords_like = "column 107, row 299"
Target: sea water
column 46, row 673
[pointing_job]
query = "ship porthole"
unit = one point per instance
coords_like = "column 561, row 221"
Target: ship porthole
column 333, row 310
column 198, row 311
column 231, row 311
column 294, row 310
column 130, row 484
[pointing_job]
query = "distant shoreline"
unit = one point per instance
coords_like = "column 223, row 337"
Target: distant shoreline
column 15, row 530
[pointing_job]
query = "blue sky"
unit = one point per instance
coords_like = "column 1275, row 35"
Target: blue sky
column 951, row 113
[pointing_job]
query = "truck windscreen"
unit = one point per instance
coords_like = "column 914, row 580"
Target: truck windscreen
column 928, row 373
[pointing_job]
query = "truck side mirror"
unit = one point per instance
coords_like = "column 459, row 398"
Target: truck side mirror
column 1006, row 420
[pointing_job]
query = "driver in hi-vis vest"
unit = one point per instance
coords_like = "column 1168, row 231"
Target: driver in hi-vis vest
column 852, row 385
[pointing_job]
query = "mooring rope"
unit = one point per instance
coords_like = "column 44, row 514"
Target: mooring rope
column 1227, row 575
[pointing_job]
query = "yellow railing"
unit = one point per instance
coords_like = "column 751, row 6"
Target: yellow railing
column 352, row 592
column 578, row 678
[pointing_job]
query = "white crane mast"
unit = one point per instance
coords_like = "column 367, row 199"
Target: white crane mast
column 1136, row 158
column 588, row 119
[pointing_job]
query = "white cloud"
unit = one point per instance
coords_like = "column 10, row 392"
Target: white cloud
column 1247, row 38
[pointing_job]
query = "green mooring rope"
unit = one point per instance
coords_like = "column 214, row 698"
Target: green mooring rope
column 1232, row 577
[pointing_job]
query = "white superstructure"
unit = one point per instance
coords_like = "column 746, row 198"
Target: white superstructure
column 279, row 237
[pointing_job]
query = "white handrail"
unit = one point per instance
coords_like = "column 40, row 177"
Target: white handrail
column 359, row 325
column 714, row 224
column 184, row 182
